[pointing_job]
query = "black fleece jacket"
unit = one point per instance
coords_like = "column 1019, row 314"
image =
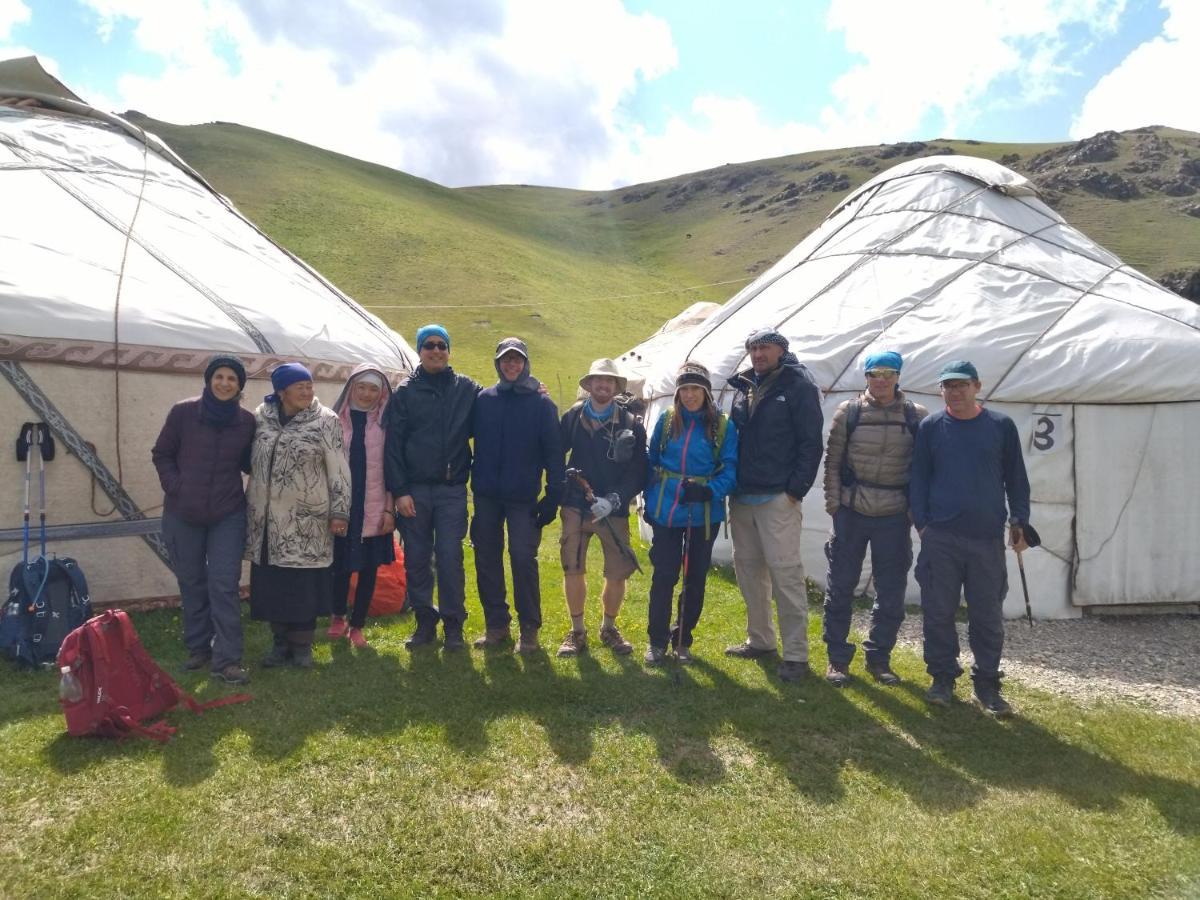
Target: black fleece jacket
column 779, row 444
column 429, row 431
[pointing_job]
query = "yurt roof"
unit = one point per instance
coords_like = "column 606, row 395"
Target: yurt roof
column 109, row 239
column 956, row 257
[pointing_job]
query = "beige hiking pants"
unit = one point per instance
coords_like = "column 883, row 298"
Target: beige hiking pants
column 766, row 559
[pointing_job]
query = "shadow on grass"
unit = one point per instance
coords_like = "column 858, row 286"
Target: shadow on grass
column 718, row 716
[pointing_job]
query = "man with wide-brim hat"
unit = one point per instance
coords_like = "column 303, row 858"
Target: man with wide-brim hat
column 968, row 481
column 606, row 445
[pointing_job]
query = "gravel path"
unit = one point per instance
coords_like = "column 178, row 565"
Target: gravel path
column 1149, row 661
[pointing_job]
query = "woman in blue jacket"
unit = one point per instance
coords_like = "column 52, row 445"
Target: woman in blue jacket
column 693, row 467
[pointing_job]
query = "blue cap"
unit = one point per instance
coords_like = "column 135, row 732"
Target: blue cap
column 958, row 370
column 888, row 359
column 432, row 330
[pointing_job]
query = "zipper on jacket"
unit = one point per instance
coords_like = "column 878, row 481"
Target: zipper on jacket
column 267, row 509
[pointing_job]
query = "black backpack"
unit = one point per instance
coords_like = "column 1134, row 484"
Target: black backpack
column 47, row 600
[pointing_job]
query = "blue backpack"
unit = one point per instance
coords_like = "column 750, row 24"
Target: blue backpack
column 47, row 600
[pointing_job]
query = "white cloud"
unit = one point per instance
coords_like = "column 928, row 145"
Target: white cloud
column 12, row 12
column 523, row 91
column 942, row 57
column 1151, row 85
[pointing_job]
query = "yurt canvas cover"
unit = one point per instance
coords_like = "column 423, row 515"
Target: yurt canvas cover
column 121, row 272
column 956, row 257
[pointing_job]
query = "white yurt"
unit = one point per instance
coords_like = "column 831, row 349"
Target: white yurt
column 955, row 257
column 121, row 272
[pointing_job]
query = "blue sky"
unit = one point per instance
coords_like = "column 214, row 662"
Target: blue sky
column 597, row 93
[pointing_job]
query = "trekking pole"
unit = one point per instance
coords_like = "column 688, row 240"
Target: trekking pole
column 687, row 550
column 1025, row 589
column 37, row 442
column 27, row 431
column 590, row 496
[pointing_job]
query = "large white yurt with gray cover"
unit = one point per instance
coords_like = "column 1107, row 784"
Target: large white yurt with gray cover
column 955, row 257
column 121, row 272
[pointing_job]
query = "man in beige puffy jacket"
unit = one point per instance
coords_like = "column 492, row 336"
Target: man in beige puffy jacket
column 867, row 462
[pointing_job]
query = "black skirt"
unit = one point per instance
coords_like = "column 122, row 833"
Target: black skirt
column 285, row 594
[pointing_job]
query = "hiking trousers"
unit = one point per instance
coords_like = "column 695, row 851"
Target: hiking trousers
column 949, row 566
column 207, row 560
column 766, row 560
column 890, row 540
column 436, row 531
column 524, row 538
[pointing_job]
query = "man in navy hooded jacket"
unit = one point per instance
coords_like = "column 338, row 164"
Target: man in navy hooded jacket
column 516, row 441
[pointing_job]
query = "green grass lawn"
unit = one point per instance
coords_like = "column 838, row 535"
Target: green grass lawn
column 382, row 773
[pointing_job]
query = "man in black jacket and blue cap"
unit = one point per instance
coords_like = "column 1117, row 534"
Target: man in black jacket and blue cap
column 427, row 461
column 778, row 415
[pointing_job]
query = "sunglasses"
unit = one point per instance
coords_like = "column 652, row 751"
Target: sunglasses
column 435, row 345
column 882, row 373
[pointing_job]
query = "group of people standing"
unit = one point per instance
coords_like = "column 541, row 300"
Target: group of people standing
column 329, row 487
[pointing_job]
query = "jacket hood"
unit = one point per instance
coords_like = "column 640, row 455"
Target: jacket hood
column 342, row 405
column 525, row 383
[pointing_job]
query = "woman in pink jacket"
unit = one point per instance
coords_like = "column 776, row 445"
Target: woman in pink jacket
column 368, row 541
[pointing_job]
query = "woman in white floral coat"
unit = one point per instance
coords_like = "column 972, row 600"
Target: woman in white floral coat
column 299, row 499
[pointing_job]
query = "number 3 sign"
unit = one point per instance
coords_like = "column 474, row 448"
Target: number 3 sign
column 1046, row 428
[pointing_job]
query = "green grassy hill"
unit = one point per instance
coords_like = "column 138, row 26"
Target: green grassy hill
column 581, row 274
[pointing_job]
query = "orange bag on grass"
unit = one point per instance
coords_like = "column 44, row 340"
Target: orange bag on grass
column 391, row 586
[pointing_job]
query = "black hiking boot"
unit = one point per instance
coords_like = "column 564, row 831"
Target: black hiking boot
column 302, row 657
column 792, row 670
column 941, row 692
column 987, row 697
column 425, row 634
column 452, row 640
column 280, row 655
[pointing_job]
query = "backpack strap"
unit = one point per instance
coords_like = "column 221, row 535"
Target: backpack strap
column 910, row 418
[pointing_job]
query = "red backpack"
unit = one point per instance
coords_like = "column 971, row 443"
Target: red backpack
column 110, row 685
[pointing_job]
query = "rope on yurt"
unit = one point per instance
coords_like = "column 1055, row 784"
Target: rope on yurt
column 117, row 308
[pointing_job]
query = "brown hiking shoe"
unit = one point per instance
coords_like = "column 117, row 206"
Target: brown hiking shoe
column 492, row 638
column 882, row 672
column 528, row 642
column 573, row 644
column 611, row 638
column 837, row 674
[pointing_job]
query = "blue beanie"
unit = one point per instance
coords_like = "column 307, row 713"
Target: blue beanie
column 285, row 376
column 432, row 330
column 888, row 359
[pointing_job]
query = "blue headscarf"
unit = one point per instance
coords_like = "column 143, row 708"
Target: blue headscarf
column 284, row 377
column 888, row 359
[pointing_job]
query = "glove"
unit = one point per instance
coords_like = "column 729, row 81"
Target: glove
column 692, row 492
column 603, row 506
column 545, row 511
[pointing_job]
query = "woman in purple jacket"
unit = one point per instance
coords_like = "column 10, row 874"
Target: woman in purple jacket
column 200, row 455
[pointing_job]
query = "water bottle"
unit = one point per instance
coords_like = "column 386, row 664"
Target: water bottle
column 69, row 688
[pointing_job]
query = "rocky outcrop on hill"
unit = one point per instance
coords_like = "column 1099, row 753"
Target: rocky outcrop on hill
column 1184, row 283
column 1118, row 166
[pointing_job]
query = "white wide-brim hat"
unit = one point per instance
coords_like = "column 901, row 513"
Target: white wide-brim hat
column 605, row 367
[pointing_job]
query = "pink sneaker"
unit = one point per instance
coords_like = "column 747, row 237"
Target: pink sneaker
column 357, row 639
column 337, row 627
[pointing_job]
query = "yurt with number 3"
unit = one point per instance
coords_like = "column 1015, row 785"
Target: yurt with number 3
column 957, row 258
column 121, row 272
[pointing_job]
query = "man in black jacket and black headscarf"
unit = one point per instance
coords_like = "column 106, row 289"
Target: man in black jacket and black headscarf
column 777, row 411
column 427, row 461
